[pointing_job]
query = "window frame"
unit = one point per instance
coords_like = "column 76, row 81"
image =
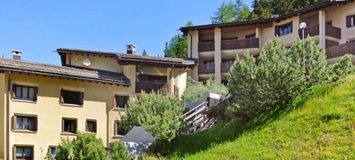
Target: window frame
column 80, row 94
column 350, row 21
column 116, row 103
column 63, row 127
column 14, row 123
column 86, row 125
column 50, row 148
column 116, row 127
column 14, row 95
column 15, row 147
column 283, row 26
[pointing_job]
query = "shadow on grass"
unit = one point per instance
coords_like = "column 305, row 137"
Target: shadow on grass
column 229, row 130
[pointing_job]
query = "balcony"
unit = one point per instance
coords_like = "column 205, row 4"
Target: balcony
column 148, row 87
column 226, row 66
column 206, row 46
column 330, row 31
column 340, row 50
column 205, row 69
column 240, row 43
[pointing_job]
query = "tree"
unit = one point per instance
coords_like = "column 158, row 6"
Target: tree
column 159, row 114
column 144, row 53
column 119, row 151
column 177, row 47
column 84, row 147
column 198, row 91
column 231, row 12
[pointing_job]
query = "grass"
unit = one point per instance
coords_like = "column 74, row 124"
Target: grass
column 322, row 126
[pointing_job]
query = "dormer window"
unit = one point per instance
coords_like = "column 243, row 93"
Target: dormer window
column 283, row 29
column 350, row 21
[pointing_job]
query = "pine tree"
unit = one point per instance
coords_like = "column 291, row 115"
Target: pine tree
column 144, row 53
column 119, row 152
column 177, row 47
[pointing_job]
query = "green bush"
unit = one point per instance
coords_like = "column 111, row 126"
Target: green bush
column 159, row 114
column 197, row 91
column 119, row 151
column 84, row 147
column 278, row 75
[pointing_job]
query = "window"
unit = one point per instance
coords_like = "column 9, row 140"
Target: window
column 52, row 152
column 352, row 41
column 350, row 21
column 91, row 126
column 24, row 123
column 229, row 63
column 24, row 92
column 119, row 129
column 120, row 101
column 69, row 125
column 283, row 29
column 23, row 153
column 71, row 97
column 209, row 66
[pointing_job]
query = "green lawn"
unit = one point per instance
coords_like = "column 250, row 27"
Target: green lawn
column 322, row 127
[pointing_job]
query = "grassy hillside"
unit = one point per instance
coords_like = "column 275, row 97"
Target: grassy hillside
column 321, row 127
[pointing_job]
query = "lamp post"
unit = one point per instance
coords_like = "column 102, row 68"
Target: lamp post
column 303, row 26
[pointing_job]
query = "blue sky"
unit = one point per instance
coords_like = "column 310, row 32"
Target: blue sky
column 38, row 27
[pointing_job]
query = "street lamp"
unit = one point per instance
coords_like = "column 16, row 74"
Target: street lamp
column 303, row 26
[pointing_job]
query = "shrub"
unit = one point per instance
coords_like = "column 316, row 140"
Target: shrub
column 198, row 91
column 159, row 114
column 84, row 147
column 119, row 151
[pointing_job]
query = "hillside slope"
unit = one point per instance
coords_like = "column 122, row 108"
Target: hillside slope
column 323, row 127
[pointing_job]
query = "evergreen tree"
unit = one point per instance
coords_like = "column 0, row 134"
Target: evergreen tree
column 177, row 47
column 231, row 12
column 144, row 53
column 119, row 151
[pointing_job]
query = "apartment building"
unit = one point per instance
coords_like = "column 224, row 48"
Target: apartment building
column 331, row 24
column 40, row 103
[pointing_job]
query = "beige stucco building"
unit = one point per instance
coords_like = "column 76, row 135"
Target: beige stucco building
column 330, row 23
column 40, row 104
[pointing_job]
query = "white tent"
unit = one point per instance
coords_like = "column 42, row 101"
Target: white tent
column 137, row 140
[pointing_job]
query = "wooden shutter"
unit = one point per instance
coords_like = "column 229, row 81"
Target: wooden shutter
column 348, row 21
column 14, row 122
column 61, row 99
column 35, row 94
column 114, row 102
column 81, row 98
column 13, row 91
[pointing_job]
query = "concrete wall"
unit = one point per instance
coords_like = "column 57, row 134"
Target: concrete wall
column 102, row 63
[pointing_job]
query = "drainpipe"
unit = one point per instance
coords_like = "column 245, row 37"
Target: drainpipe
column 8, row 92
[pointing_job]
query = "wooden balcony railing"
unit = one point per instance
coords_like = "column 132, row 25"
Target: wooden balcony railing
column 225, row 67
column 148, row 87
column 240, row 43
column 340, row 50
column 206, row 46
column 203, row 69
column 330, row 31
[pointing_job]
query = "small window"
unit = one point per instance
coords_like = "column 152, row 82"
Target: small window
column 52, row 151
column 71, row 97
column 69, row 125
column 121, row 101
column 209, row 66
column 23, row 153
column 119, row 129
column 283, row 29
column 350, row 21
column 24, row 93
column 25, row 123
column 91, row 126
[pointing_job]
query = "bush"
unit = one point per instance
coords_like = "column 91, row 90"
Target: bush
column 119, row 151
column 278, row 75
column 84, row 147
column 158, row 114
column 198, row 91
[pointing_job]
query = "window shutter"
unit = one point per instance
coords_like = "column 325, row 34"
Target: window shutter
column 14, row 152
column 348, row 21
column 35, row 93
column 61, row 100
column 81, row 98
column 13, row 91
column 14, row 122
column 114, row 102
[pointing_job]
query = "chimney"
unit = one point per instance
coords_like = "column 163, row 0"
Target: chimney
column 16, row 54
column 131, row 49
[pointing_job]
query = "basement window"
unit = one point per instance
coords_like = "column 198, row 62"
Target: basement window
column 71, row 97
column 91, row 126
column 69, row 125
column 24, row 92
column 24, row 123
column 283, row 29
column 23, row 153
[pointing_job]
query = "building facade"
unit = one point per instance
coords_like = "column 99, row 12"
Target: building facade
column 40, row 104
column 331, row 24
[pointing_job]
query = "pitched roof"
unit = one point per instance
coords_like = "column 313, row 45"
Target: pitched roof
column 61, row 71
column 124, row 58
column 323, row 4
column 138, row 135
